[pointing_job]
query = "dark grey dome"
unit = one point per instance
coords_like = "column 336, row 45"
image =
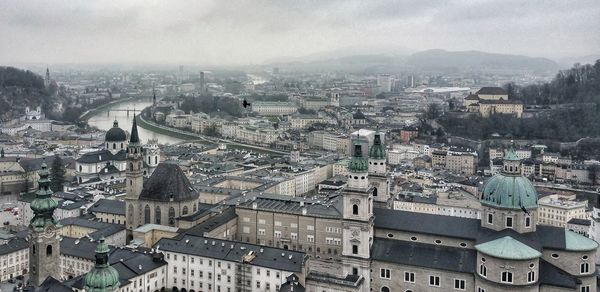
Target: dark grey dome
column 115, row 134
column 358, row 115
column 168, row 184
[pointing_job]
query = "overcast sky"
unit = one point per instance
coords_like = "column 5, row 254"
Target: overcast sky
column 232, row 32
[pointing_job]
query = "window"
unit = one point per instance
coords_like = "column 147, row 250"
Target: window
column 531, row 276
column 585, row 288
column 482, row 270
column 507, row 277
column 479, row 289
column 355, row 209
column 409, row 277
column 385, row 289
column 48, row 250
column 354, row 249
column 509, row 222
column 527, row 221
column 310, row 227
column 434, row 281
column 490, row 218
column 246, row 229
column 460, row 284
column 584, row 268
column 385, row 273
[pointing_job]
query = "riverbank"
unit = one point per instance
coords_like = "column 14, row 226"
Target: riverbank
column 184, row 135
column 91, row 112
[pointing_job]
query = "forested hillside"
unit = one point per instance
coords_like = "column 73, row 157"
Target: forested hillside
column 576, row 92
column 20, row 89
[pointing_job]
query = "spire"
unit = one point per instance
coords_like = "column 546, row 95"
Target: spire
column 102, row 277
column 134, row 138
column 43, row 205
column 153, row 96
column 2, row 152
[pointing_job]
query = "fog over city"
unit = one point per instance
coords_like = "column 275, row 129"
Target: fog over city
column 253, row 32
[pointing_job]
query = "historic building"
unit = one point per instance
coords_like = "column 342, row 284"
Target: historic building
column 505, row 250
column 102, row 277
column 378, row 176
column 163, row 198
column 109, row 163
column 493, row 100
column 44, row 237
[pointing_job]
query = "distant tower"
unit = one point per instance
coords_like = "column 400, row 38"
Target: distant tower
column 335, row 99
column 295, row 154
column 134, row 178
column 44, row 236
column 357, row 217
column 153, row 97
column 102, row 277
column 202, row 83
column 47, row 78
column 151, row 154
column 378, row 171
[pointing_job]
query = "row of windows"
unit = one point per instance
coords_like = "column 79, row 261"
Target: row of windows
column 434, row 281
column 508, row 223
column 506, row 276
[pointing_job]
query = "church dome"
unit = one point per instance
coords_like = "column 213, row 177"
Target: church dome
column 102, row 277
column 358, row 115
column 115, row 134
column 509, row 189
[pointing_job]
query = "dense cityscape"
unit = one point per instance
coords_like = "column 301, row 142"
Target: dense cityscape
column 428, row 170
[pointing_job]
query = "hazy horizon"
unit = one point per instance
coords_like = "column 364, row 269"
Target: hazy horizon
column 226, row 33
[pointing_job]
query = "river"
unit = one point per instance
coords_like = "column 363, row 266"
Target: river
column 104, row 119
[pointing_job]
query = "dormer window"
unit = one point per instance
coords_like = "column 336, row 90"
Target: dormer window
column 509, row 222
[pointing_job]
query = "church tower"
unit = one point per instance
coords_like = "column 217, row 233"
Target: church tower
column 134, row 178
column 378, row 172
column 357, row 217
column 47, row 78
column 44, row 237
column 102, row 277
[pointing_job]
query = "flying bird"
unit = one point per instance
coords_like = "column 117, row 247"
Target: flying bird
column 246, row 103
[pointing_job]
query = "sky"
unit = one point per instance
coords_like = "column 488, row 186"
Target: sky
column 242, row 32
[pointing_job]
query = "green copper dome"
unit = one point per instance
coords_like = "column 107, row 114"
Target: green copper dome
column 358, row 163
column 511, row 155
column 509, row 191
column 377, row 151
column 43, row 205
column 102, row 277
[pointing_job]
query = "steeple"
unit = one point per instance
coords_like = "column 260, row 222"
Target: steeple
column 102, row 277
column 43, row 205
column 377, row 151
column 153, row 96
column 358, row 168
column 47, row 78
column 134, row 138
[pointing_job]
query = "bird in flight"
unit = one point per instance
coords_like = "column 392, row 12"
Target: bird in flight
column 245, row 103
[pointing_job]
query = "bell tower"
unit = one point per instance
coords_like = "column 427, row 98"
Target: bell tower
column 44, row 237
column 357, row 217
column 378, row 171
column 134, row 178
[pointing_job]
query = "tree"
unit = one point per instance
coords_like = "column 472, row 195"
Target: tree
column 57, row 174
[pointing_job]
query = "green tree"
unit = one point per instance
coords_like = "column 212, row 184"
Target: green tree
column 57, row 174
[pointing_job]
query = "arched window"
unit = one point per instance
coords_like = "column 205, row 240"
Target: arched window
column 385, row 289
column 33, row 249
column 48, row 250
column 184, row 211
column 531, row 276
column 157, row 215
column 194, row 207
column 172, row 216
column 121, row 145
column 80, row 168
column 584, row 268
column 149, row 159
column 507, row 277
column 155, row 159
column 130, row 166
column 355, row 209
column 482, row 270
column 147, row 214
column 375, row 192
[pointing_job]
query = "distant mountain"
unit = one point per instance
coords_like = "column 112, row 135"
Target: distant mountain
column 582, row 60
column 430, row 60
column 441, row 60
